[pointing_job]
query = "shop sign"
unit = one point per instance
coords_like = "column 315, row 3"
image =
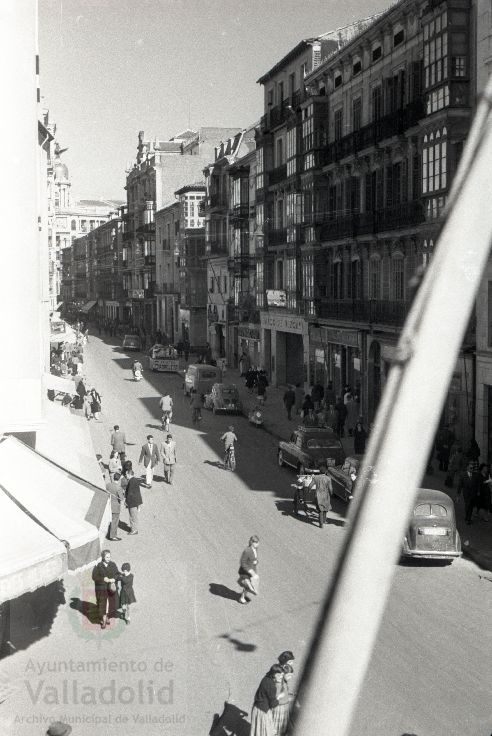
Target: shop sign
column 137, row 293
column 333, row 335
column 281, row 322
column 276, row 298
column 249, row 333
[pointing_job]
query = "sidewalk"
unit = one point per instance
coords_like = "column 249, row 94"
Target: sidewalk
column 476, row 539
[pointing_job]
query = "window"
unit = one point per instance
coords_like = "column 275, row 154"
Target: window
column 291, row 151
column 434, row 161
column 398, row 38
column 292, row 84
column 280, row 92
column 308, row 279
column 377, row 52
column 435, row 52
column 270, row 97
column 338, row 124
column 374, row 278
column 376, row 102
column 291, row 283
column 260, row 285
column 74, row 225
column 337, row 80
column 458, row 66
column 307, row 128
column 280, row 152
column 83, row 226
column 357, row 114
column 280, row 275
column 303, row 70
column 398, row 280
column 259, row 169
column 356, row 67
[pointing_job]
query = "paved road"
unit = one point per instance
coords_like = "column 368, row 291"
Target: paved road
column 189, row 638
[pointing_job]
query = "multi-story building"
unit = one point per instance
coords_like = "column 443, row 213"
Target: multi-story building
column 357, row 178
column 167, row 224
column 483, row 413
column 160, row 169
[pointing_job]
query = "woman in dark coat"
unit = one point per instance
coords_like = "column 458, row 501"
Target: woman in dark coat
column 360, row 437
column 265, row 701
column 127, row 594
column 484, row 497
column 95, row 404
column 104, row 576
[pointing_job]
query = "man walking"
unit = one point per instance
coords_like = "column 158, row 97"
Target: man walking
column 117, row 497
column 324, row 490
column 289, row 401
column 149, row 455
column 168, row 452
column 133, row 499
column 469, row 483
column 118, row 442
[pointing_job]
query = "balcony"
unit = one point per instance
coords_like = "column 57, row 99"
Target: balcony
column 398, row 217
column 218, row 200
column 149, row 260
column 277, row 237
column 370, row 311
column 240, row 212
column 216, row 247
column 148, row 227
column 395, row 123
column 241, row 263
column 277, row 175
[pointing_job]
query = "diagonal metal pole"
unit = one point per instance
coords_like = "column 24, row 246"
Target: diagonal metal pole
column 397, row 454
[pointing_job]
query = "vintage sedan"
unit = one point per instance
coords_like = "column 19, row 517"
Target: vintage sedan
column 343, row 477
column 163, row 358
column 432, row 533
column 224, row 397
column 132, row 342
column 310, row 447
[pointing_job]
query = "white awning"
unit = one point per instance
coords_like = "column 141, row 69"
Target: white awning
column 58, row 383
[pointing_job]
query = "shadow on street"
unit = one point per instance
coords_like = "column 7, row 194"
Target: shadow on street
column 232, row 722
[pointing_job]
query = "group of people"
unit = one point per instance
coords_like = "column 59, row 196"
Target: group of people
column 114, row 589
column 256, row 379
column 475, row 486
column 270, row 714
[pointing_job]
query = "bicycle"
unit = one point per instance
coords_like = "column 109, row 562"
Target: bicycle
column 230, row 459
column 166, row 420
column 197, row 415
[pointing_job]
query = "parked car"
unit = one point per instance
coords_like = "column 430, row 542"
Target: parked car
column 310, row 447
column 132, row 342
column 432, row 532
column 163, row 358
column 201, row 377
column 224, row 397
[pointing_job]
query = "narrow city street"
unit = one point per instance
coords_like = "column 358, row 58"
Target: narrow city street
column 190, row 646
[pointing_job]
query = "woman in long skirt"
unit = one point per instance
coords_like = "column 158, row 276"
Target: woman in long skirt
column 248, row 575
column 265, row 701
column 280, row 714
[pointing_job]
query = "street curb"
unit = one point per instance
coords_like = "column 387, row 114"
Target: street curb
column 482, row 559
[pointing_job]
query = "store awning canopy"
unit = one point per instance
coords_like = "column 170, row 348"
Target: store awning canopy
column 58, row 383
column 30, row 556
column 88, row 306
column 73, row 510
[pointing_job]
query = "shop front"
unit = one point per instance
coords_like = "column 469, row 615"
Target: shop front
column 284, row 348
column 249, row 343
column 336, row 355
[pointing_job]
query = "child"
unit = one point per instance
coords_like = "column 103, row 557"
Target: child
column 127, row 595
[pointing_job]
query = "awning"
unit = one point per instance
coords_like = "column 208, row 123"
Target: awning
column 58, row 383
column 30, row 556
column 70, row 508
column 66, row 335
column 88, row 306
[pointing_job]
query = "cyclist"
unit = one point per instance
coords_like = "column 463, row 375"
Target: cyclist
column 166, row 404
column 137, row 369
column 196, row 406
column 228, row 438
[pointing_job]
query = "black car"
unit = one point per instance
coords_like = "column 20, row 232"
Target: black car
column 310, row 447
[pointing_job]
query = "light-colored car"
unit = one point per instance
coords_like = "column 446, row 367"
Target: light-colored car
column 432, row 533
column 132, row 342
column 224, row 397
column 201, row 377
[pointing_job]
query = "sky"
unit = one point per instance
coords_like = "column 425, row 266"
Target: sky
column 110, row 68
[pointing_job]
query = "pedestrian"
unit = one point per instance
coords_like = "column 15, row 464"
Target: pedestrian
column 250, row 379
column 352, row 414
column 118, row 442
column 117, row 497
column 149, row 455
column 484, row 498
column 473, row 453
column 330, row 396
column 469, row 485
column 289, row 401
column 168, row 452
column 57, row 728
column 331, row 418
column 457, row 462
column 307, row 405
column 114, row 464
column 444, row 442
column 281, row 713
column 262, row 383
column 196, row 406
column 317, row 394
column 81, row 389
column 341, row 410
column 127, row 594
column 186, row 349
column 360, row 438
column 87, row 407
column 324, row 492
column 299, row 393
column 104, row 576
column 265, row 701
column 286, row 658
column 310, row 419
column 133, row 499
column 347, row 391
column 95, row 404
column 248, row 569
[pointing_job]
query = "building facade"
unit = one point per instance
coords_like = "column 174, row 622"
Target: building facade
column 356, row 173
column 167, row 226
